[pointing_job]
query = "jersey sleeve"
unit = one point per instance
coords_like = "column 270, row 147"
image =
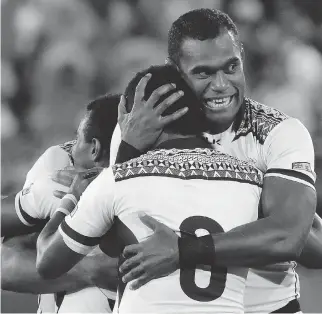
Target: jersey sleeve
column 93, row 217
column 289, row 153
column 36, row 202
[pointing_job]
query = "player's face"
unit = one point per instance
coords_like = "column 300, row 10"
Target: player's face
column 82, row 150
column 214, row 69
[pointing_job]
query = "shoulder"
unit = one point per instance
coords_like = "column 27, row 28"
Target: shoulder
column 54, row 158
column 102, row 184
column 259, row 120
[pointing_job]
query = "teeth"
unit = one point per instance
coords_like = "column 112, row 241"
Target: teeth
column 219, row 102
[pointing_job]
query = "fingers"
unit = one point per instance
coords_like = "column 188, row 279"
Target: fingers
column 130, row 263
column 165, row 104
column 92, row 173
column 174, row 116
column 59, row 194
column 159, row 92
column 140, row 89
column 63, row 177
column 133, row 274
column 121, row 108
column 131, row 250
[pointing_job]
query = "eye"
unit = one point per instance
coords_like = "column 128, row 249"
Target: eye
column 203, row 74
column 232, row 67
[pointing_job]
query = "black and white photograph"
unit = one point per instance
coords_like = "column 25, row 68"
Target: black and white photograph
column 161, row 156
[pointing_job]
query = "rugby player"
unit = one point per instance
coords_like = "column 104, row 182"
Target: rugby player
column 75, row 292
column 176, row 183
column 204, row 45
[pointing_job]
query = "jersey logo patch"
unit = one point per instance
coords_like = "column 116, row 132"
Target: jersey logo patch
column 305, row 166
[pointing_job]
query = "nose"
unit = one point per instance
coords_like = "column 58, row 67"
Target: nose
column 219, row 82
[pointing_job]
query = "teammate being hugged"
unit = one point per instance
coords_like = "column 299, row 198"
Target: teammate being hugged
column 180, row 182
column 204, row 46
column 36, row 203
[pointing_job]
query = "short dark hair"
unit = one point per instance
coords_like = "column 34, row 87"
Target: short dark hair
column 200, row 24
column 101, row 114
column 193, row 121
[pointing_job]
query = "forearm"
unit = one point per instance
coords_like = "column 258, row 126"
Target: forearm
column 19, row 273
column 311, row 256
column 47, row 235
column 11, row 225
column 255, row 244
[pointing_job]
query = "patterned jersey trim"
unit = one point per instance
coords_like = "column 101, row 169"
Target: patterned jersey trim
column 259, row 120
column 199, row 163
column 67, row 147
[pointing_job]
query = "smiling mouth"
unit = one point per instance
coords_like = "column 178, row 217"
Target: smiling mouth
column 219, row 103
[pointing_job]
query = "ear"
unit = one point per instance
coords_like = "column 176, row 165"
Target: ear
column 169, row 61
column 97, row 150
column 242, row 51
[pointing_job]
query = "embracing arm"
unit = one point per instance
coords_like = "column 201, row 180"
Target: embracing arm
column 79, row 233
column 288, row 209
column 311, row 256
column 13, row 224
column 51, row 250
column 19, row 271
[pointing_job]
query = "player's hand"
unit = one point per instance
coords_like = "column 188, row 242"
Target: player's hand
column 156, row 257
column 82, row 180
column 103, row 271
column 144, row 124
column 63, row 177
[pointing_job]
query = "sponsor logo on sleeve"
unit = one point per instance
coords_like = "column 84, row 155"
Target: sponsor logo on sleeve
column 302, row 166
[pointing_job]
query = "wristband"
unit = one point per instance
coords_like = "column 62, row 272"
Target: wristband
column 68, row 203
column 63, row 211
column 126, row 152
column 71, row 197
column 196, row 251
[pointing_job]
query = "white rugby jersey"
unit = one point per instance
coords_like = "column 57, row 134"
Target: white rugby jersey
column 54, row 158
column 178, row 188
column 279, row 146
column 36, row 203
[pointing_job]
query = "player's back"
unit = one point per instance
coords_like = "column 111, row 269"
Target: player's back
column 192, row 191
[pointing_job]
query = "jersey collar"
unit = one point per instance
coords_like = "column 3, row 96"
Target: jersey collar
column 242, row 124
column 184, row 143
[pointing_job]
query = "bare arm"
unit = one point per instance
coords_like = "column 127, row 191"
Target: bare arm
column 11, row 224
column 81, row 231
column 19, row 271
column 311, row 256
column 52, row 250
column 288, row 209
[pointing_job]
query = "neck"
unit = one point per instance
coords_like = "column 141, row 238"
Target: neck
column 218, row 128
column 170, row 136
column 104, row 162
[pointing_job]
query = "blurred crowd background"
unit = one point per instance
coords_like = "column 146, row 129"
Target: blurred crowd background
column 58, row 54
